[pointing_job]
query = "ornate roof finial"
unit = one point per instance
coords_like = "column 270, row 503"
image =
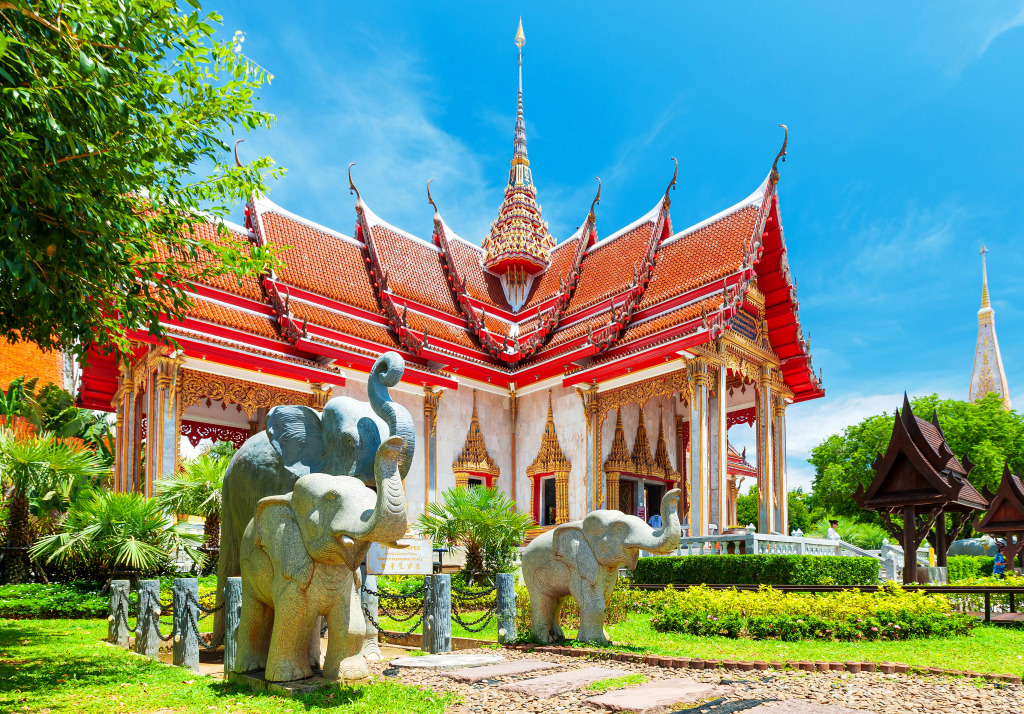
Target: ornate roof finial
column 351, row 186
column 781, row 156
column 597, row 200
column 430, row 199
column 984, row 279
column 671, row 184
column 520, row 37
column 237, row 162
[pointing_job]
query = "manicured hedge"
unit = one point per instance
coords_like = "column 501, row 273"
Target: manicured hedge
column 966, row 567
column 757, row 569
column 766, row 614
column 59, row 600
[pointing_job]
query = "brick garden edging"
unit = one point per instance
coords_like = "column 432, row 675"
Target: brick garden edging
column 757, row 665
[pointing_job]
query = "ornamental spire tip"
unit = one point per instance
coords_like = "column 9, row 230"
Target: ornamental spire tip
column 520, row 37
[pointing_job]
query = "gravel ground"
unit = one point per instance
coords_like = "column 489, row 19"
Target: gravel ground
column 873, row 692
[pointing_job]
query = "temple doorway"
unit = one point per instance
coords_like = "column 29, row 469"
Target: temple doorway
column 653, row 493
column 626, row 489
column 549, row 510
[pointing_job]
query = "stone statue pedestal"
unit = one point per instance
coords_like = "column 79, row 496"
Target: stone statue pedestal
column 257, row 683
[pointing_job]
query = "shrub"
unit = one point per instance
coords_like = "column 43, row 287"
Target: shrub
column 965, row 567
column 764, row 614
column 757, row 569
column 34, row 600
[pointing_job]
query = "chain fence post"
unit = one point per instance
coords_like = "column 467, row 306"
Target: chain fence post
column 117, row 622
column 232, row 616
column 440, row 613
column 147, row 619
column 506, row 607
column 371, row 605
column 428, row 612
column 186, row 623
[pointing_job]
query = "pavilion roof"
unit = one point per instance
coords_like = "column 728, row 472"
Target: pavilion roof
column 1006, row 506
column 918, row 468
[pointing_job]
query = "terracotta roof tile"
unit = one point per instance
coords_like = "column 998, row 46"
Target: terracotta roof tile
column 546, row 286
column 343, row 323
column 229, row 316
column 701, row 257
column 442, row 330
column 320, row 262
column 480, row 285
column 247, row 286
column 608, row 270
column 414, row 270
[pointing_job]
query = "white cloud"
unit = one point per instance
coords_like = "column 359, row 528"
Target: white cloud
column 955, row 35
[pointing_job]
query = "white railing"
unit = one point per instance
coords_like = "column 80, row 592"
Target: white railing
column 764, row 544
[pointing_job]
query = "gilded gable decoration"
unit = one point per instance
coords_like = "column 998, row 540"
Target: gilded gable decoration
column 550, row 459
column 474, row 459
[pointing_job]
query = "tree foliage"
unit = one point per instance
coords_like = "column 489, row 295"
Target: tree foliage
column 111, row 121
column 990, row 435
column 482, row 520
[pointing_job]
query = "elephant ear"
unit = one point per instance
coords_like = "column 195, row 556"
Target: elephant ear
column 571, row 546
column 277, row 534
column 297, row 434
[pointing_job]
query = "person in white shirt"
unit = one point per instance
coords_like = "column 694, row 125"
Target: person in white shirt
column 833, row 534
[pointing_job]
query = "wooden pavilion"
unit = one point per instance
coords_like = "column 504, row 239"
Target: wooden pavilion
column 1005, row 516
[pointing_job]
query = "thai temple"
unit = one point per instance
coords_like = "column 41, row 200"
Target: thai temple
column 595, row 371
column 988, row 375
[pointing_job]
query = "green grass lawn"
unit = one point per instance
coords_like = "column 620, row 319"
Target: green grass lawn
column 62, row 666
column 991, row 649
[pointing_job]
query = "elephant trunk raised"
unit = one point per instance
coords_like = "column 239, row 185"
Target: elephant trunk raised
column 388, row 520
column 386, row 372
column 666, row 538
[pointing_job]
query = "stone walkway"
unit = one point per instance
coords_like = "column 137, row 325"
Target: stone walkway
column 798, row 692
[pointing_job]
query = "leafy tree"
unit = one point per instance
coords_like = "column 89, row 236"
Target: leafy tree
column 482, row 520
column 196, row 491
column 109, row 530
column 113, row 165
column 863, row 535
column 799, row 514
column 36, row 464
column 746, row 506
column 990, row 435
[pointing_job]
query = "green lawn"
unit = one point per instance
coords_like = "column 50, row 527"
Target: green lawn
column 991, row 649
column 61, row 666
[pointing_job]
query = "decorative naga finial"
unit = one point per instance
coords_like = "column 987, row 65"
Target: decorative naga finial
column 781, row 155
column 430, row 199
column 237, row 162
column 351, row 186
column 671, row 184
column 597, row 200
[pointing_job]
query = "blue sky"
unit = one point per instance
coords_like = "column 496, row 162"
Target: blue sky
column 906, row 148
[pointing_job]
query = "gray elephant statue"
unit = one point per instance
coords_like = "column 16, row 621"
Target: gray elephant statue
column 582, row 559
column 300, row 555
column 342, row 441
column 985, row 545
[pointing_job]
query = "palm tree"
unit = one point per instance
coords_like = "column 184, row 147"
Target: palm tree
column 36, row 464
column 105, row 530
column 196, row 491
column 482, row 520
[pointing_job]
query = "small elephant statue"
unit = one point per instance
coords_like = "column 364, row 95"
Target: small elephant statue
column 582, row 559
column 342, row 441
column 300, row 556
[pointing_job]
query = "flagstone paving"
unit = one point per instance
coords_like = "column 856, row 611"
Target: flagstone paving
column 658, row 696
column 493, row 671
column 803, row 692
column 552, row 684
column 453, row 660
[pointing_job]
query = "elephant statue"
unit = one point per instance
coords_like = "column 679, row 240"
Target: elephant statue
column 342, row 441
column 582, row 559
column 300, row 556
column 985, row 545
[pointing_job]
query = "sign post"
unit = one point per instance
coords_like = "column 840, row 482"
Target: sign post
column 414, row 557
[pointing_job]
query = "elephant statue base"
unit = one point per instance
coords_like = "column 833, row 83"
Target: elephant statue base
column 581, row 559
column 300, row 558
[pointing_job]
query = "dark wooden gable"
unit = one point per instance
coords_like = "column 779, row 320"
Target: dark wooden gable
column 1006, row 506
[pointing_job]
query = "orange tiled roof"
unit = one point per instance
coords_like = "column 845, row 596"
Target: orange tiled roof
column 333, row 320
column 546, row 285
column 414, row 269
column 608, row 269
column 230, row 316
column 481, row 285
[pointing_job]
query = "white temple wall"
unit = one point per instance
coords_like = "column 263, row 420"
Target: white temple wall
column 454, row 413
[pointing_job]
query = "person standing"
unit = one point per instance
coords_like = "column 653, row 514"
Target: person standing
column 833, row 534
column 999, row 566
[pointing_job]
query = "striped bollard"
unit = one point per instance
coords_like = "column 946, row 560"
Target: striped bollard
column 186, row 612
column 147, row 619
column 440, row 613
column 232, row 616
column 505, row 605
column 117, row 622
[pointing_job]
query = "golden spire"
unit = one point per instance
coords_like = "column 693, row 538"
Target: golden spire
column 984, row 279
column 520, row 37
column 474, row 458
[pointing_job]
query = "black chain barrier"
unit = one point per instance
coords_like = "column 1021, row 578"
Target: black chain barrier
column 382, row 594
column 122, row 614
column 195, row 625
column 468, row 596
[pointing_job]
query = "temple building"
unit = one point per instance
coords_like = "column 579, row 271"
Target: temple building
column 593, row 372
column 988, row 375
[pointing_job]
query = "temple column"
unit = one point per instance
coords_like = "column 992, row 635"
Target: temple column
column 593, row 469
column 699, row 448
column 765, row 451
column 612, row 485
column 719, row 451
column 321, row 395
column 730, row 508
column 684, row 502
column 124, row 402
column 431, row 400
column 781, row 504
column 162, row 430
column 561, row 497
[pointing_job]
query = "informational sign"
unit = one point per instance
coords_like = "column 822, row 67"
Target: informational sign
column 415, row 558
